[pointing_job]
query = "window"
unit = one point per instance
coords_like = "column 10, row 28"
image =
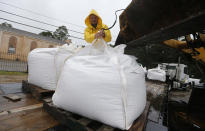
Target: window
column 186, row 71
column 50, row 46
column 33, row 45
column 12, row 45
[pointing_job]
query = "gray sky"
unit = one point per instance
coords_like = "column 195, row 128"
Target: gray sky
column 72, row 11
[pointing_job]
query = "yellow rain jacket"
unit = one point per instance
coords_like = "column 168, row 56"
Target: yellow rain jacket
column 90, row 31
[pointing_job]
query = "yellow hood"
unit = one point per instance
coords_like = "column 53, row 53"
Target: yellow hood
column 87, row 20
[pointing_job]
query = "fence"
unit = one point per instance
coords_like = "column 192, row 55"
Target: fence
column 13, row 62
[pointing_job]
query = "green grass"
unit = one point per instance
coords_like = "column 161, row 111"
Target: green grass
column 12, row 73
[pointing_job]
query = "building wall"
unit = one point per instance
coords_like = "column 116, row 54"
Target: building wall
column 0, row 38
column 19, row 51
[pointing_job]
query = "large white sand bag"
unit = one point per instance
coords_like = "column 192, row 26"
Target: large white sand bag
column 104, row 85
column 156, row 74
column 45, row 65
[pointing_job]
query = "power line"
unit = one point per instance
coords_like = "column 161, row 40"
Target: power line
column 76, row 37
column 34, row 27
column 39, row 28
column 45, row 15
column 36, row 20
column 24, row 24
column 40, row 14
column 41, row 22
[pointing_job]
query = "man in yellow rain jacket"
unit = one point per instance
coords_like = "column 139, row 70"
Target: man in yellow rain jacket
column 94, row 29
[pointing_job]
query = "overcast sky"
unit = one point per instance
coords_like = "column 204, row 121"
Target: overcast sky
column 73, row 12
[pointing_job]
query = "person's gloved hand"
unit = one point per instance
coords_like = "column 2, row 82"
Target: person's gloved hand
column 100, row 34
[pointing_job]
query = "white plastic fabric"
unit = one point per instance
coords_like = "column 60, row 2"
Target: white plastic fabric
column 156, row 74
column 103, row 84
column 196, row 81
column 145, row 70
column 45, row 65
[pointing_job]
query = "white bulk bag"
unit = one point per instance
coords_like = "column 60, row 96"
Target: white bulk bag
column 156, row 74
column 196, row 81
column 44, row 65
column 103, row 85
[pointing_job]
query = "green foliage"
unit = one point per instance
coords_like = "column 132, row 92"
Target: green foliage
column 46, row 33
column 151, row 55
column 6, row 24
column 61, row 33
column 12, row 73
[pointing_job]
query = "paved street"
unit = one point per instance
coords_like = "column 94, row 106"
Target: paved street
column 10, row 88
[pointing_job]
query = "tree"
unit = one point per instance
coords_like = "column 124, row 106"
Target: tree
column 47, row 34
column 61, row 33
column 6, row 24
